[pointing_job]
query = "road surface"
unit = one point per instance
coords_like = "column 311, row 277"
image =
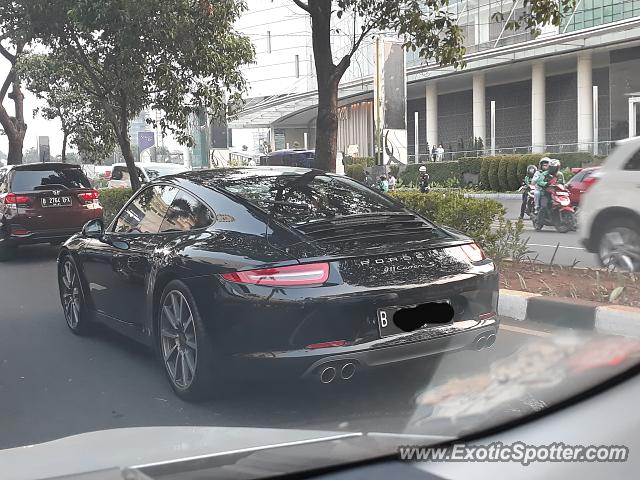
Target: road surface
column 543, row 244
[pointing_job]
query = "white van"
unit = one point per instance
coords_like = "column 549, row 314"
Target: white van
column 146, row 172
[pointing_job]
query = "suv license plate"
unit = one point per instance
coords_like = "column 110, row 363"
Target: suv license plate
column 56, row 202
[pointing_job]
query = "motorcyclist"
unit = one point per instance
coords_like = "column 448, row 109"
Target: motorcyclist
column 548, row 177
column 423, row 180
column 528, row 179
column 543, row 165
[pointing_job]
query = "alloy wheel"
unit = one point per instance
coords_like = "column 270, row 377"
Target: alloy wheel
column 620, row 249
column 178, row 339
column 71, row 294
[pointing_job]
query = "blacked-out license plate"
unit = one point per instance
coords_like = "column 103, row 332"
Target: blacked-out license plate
column 56, row 202
column 397, row 320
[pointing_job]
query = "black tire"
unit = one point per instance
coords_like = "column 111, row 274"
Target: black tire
column 7, row 253
column 566, row 222
column 72, row 298
column 537, row 225
column 202, row 366
column 628, row 245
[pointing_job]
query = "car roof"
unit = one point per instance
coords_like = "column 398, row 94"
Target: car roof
column 292, row 150
column 43, row 166
column 206, row 176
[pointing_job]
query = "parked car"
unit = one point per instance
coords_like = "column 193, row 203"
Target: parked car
column 43, row 203
column 289, row 158
column 609, row 214
column 277, row 272
column 119, row 177
column 580, row 183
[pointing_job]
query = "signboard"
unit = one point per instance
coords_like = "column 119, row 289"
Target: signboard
column 146, row 140
column 390, row 108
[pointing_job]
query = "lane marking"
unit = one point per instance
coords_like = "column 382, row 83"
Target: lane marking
column 554, row 246
column 525, row 331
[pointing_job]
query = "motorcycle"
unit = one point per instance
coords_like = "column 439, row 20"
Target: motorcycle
column 559, row 213
column 531, row 199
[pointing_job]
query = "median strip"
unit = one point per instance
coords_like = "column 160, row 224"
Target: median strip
column 569, row 313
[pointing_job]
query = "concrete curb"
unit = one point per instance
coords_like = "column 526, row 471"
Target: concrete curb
column 495, row 196
column 567, row 312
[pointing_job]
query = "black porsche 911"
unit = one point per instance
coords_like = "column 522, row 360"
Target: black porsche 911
column 275, row 270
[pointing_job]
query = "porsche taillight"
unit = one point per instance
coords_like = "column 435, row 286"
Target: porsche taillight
column 470, row 251
column 294, row 275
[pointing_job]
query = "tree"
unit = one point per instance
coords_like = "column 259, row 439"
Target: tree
column 428, row 26
column 14, row 36
column 176, row 56
column 83, row 122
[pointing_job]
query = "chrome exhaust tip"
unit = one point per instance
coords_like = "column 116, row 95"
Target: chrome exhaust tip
column 327, row 375
column 347, row 371
column 491, row 339
column 480, row 342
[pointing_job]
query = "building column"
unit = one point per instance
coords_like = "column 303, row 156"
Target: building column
column 585, row 102
column 432, row 113
column 479, row 108
column 538, row 108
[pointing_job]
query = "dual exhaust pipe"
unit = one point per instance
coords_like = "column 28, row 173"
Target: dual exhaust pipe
column 484, row 341
column 329, row 373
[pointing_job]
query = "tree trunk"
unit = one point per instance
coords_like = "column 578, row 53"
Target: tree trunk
column 65, row 136
column 327, row 126
column 14, row 157
column 127, row 153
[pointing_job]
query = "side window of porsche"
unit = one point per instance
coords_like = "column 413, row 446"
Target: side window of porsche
column 186, row 213
column 147, row 211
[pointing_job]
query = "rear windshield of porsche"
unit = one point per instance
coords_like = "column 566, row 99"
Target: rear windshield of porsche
column 314, row 196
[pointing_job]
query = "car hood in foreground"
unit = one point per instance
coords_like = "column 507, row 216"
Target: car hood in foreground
column 165, row 450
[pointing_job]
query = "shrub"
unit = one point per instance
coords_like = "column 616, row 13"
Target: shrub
column 506, row 242
column 365, row 161
column 355, row 171
column 439, row 172
column 470, row 165
column 112, row 200
column 513, row 176
column 483, row 179
column 471, row 216
column 494, row 182
column 503, row 179
column 573, row 160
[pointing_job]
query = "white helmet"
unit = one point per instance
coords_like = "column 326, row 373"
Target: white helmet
column 422, row 169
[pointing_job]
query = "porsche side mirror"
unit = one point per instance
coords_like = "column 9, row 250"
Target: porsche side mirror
column 93, row 228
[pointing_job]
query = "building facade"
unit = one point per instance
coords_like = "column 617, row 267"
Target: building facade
column 533, row 94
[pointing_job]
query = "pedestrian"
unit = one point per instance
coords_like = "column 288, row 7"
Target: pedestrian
column 440, row 153
column 383, row 184
column 434, row 153
column 423, row 180
column 392, row 183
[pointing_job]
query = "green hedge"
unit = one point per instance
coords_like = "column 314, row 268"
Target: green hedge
column 494, row 182
column 500, row 173
column 471, row 216
column 470, row 165
column 439, row 172
column 112, row 200
column 355, row 171
column 365, row 161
